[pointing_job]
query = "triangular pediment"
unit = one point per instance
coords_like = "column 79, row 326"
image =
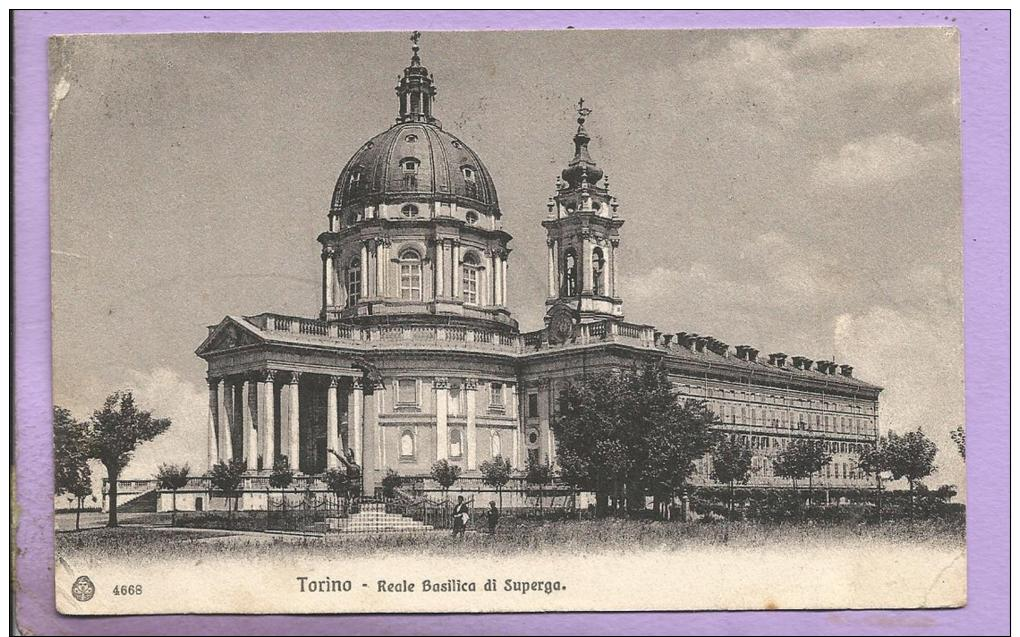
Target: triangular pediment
column 229, row 334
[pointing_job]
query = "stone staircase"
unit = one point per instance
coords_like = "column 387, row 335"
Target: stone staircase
column 373, row 518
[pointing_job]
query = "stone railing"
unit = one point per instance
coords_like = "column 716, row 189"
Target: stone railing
column 451, row 337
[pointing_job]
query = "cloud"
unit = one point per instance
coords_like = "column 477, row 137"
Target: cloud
column 164, row 393
column 918, row 359
column 880, row 159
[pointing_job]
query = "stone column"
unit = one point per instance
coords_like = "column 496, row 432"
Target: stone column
column 379, row 261
column 586, row 260
column 332, row 431
column 470, row 388
column 456, row 269
column 372, row 424
column 355, row 419
column 553, row 292
column 614, row 262
column 293, row 422
column 267, row 425
column 440, row 268
column 442, row 387
column 365, row 290
column 384, row 268
column 225, row 405
column 502, row 280
column 329, row 285
column 497, row 263
column 249, row 435
column 213, row 446
column 543, row 420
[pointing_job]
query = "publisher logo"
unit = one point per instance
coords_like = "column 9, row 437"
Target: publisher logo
column 83, row 589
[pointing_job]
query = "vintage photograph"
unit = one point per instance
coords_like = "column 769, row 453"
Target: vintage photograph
column 511, row 321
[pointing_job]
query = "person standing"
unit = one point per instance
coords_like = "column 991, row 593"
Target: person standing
column 460, row 517
column 492, row 517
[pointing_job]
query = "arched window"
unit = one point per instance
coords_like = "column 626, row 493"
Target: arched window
column 598, row 271
column 570, row 273
column 410, row 210
column 456, row 444
column 410, row 275
column 469, row 271
column 407, row 444
column 496, row 445
column 353, row 281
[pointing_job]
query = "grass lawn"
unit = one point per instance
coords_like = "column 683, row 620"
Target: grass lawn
column 514, row 537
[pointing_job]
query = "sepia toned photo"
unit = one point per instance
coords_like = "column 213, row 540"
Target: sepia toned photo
column 507, row 321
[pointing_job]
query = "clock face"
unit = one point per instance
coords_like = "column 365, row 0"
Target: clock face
column 561, row 327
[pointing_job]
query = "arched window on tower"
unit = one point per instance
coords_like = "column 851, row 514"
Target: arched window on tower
column 570, row 273
column 469, row 271
column 353, row 281
column 598, row 271
column 410, row 275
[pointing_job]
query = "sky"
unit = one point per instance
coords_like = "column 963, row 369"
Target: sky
column 795, row 190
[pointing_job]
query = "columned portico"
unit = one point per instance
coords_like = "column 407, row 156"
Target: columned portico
column 266, row 418
column 224, row 404
column 332, row 425
column 249, row 435
column 213, row 443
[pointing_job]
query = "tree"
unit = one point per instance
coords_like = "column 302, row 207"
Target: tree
column 960, row 438
column 802, row 458
column 338, row 483
column 678, row 435
column 115, row 431
column 226, row 478
column 72, row 474
column 609, row 424
column 541, row 474
column 445, row 474
column 873, row 460
column 731, row 464
column 911, row 456
column 170, row 477
column 390, row 482
column 496, row 473
column 280, row 478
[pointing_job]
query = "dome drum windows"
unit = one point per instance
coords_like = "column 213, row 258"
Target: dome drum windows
column 410, row 275
column 353, row 281
column 409, row 211
column 470, row 268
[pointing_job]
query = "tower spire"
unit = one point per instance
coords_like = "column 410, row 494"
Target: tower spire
column 416, row 89
column 582, row 167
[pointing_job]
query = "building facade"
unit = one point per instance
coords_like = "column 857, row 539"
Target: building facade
column 415, row 356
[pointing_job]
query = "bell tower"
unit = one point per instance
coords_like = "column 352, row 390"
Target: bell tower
column 583, row 236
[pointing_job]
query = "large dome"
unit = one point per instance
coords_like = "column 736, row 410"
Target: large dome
column 415, row 161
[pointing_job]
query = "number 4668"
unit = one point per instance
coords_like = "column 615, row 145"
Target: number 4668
column 128, row 589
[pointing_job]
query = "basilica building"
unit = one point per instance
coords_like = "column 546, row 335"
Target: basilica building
column 415, row 355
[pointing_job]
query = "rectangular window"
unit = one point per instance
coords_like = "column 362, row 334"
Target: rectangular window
column 407, row 391
column 410, row 281
column 453, row 402
column 532, row 405
column 496, row 395
column 470, row 285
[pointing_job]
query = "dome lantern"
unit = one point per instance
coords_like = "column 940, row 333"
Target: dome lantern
column 416, row 89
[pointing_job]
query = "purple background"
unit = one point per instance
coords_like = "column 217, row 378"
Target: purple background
column 985, row 116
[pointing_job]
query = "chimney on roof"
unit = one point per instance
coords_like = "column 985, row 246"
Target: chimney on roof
column 832, row 368
column 657, row 336
column 742, row 351
column 752, row 354
column 667, row 339
column 846, row 370
column 683, row 339
column 699, row 343
column 822, row 366
column 778, row 359
column 721, row 348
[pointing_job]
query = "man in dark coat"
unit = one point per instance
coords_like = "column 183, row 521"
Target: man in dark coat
column 460, row 517
column 492, row 517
